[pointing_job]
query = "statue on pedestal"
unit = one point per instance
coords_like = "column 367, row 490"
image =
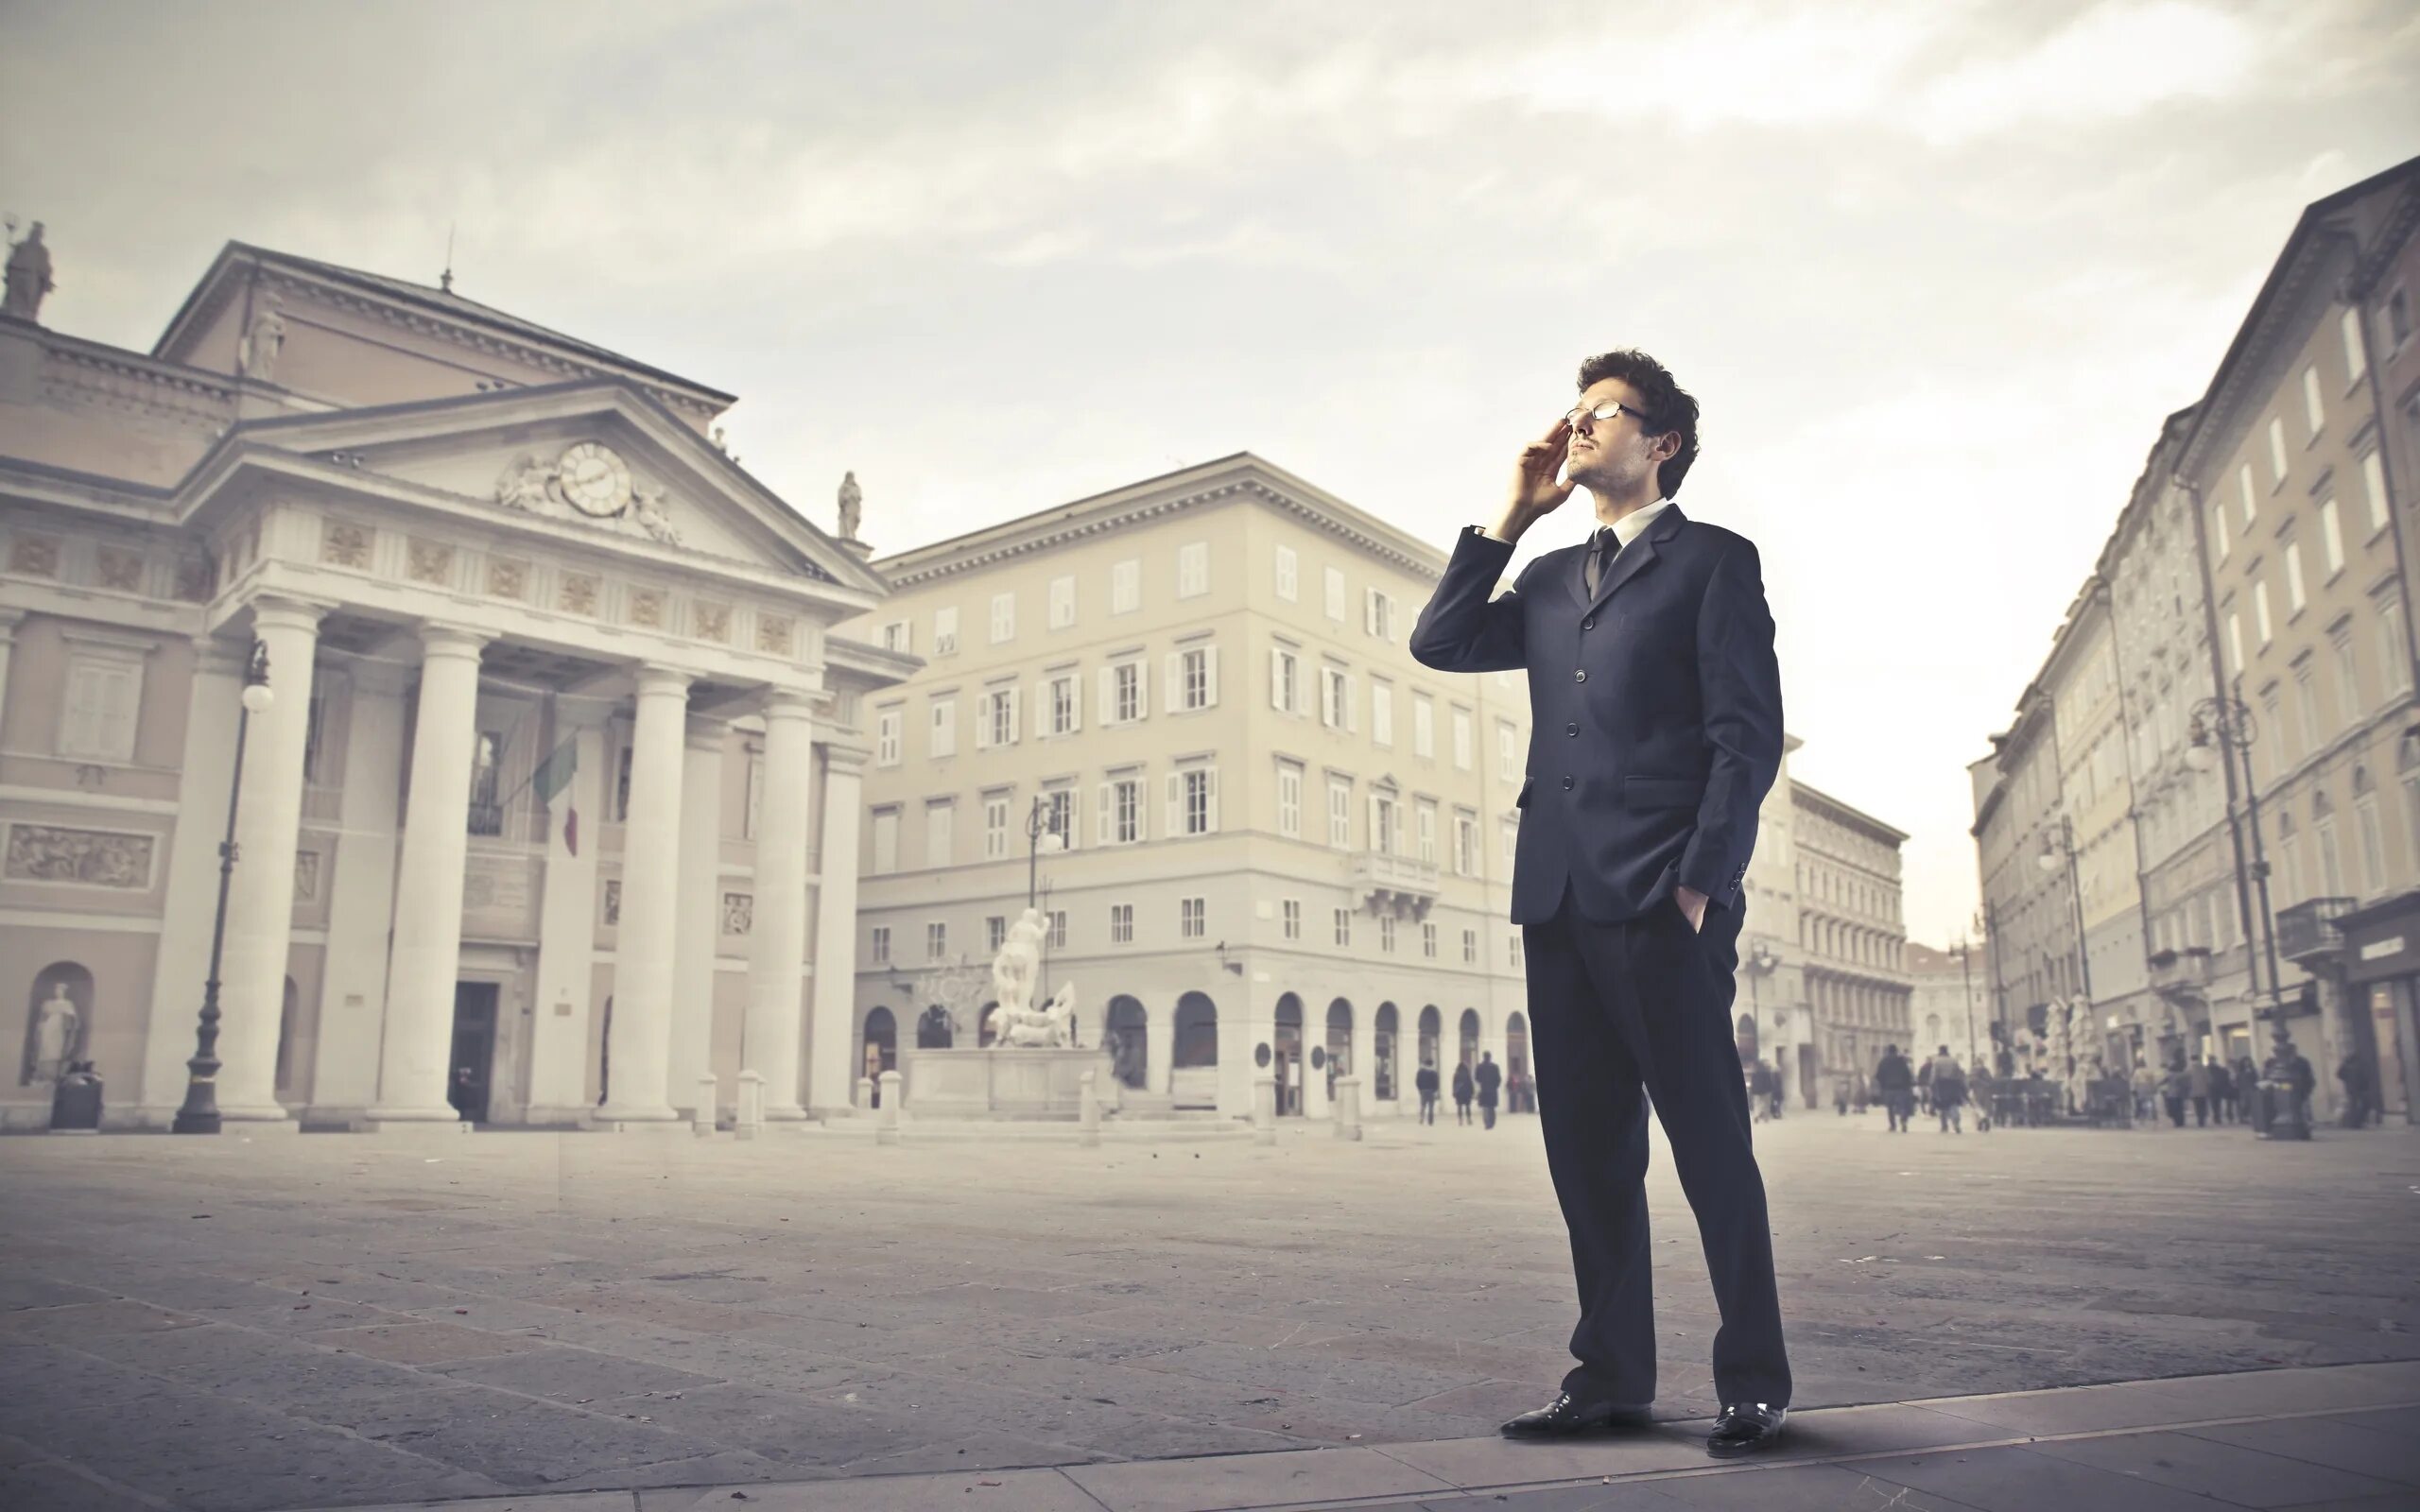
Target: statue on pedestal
column 28, row 276
column 53, row 1037
column 263, row 342
column 852, row 504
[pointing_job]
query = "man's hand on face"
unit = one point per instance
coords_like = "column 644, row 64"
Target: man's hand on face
column 1692, row 903
column 1534, row 492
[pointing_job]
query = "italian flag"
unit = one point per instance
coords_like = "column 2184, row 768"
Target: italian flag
column 553, row 775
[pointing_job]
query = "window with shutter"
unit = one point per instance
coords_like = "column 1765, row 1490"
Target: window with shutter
column 1175, row 824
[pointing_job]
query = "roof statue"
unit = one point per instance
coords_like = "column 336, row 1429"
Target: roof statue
column 852, row 506
column 28, row 276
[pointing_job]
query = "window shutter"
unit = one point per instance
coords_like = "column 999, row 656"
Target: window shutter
column 1277, row 678
column 1210, row 677
column 1142, row 806
column 983, row 724
column 1398, row 836
column 1102, row 809
column 1369, row 611
column 1172, row 683
column 1351, row 704
column 1075, row 701
column 1376, row 835
column 1210, row 794
column 1327, row 697
column 1108, row 700
column 1142, row 687
column 1176, row 804
column 1016, row 706
column 1075, row 816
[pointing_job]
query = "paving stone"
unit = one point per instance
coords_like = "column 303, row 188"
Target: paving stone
column 572, row 1375
column 513, row 1440
column 2021, row 1480
column 2318, row 1441
column 1007, row 1490
column 275, row 1372
column 84, row 1321
column 39, row 1291
column 788, row 1426
column 2245, row 1477
column 1791, row 1488
column 1306, row 1371
column 424, row 1343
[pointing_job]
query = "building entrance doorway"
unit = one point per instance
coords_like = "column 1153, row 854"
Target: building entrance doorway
column 1287, row 1067
column 472, row 1061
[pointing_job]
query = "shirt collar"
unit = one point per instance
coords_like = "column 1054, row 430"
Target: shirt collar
column 1632, row 525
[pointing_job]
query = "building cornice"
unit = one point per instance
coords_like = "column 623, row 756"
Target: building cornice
column 1803, row 792
column 1241, row 476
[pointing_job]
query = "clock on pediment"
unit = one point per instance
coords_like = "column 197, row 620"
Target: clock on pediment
column 594, row 479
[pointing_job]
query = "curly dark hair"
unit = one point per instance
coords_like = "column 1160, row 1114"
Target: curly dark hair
column 1669, row 407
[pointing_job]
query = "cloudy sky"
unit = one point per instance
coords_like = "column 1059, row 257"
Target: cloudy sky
column 1935, row 269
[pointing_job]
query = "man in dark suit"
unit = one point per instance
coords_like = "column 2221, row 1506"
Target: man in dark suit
column 1656, row 732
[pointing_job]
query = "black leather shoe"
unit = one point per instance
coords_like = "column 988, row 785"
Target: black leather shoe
column 1744, row 1428
column 1568, row 1414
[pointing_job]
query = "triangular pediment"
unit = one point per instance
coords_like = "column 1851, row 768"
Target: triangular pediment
column 596, row 458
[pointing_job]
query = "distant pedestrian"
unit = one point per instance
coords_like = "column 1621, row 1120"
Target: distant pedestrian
column 2172, row 1090
column 1426, row 1083
column 2247, row 1087
column 2221, row 1090
column 2146, row 1092
column 1895, row 1080
column 2354, row 1075
column 2197, row 1085
column 1462, row 1093
column 1489, row 1077
column 1840, row 1095
column 1948, row 1091
column 1979, row 1091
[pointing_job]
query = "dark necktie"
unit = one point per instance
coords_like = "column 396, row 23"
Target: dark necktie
column 1600, row 557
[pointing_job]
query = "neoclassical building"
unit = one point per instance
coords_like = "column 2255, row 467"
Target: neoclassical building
column 554, row 808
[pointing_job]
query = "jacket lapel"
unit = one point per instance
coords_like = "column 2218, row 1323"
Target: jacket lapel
column 1628, row 563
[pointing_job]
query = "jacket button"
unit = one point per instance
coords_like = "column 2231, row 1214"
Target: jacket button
column 1580, row 675
column 1571, row 729
column 1588, row 624
column 1567, row 784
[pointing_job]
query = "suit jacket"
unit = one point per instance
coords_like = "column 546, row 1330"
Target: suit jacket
column 1655, row 722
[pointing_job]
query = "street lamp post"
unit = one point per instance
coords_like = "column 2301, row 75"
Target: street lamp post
column 200, row 1114
column 2227, row 722
column 2050, row 860
column 1760, row 964
column 1966, row 981
column 1040, row 835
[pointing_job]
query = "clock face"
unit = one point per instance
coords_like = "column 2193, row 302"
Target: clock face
column 595, row 481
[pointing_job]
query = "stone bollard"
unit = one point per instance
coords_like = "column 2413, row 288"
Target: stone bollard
column 1264, row 1109
column 1088, row 1110
column 747, row 1121
column 1348, row 1108
column 865, row 1095
column 886, row 1119
column 708, row 1090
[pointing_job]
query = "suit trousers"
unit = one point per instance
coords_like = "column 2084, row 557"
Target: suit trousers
column 1626, row 1013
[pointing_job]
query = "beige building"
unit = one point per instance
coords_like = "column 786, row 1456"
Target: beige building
column 1949, row 1002
column 1853, row 935
column 2304, row 552
column 1287, row 847
column 2090, row 850
column 532, row 827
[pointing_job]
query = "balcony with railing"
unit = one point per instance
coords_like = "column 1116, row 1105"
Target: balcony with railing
column 2308, row 929
column 2182, row 974
column 1388, row 882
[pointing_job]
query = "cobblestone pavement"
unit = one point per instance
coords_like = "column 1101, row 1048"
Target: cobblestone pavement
column 328, row 1320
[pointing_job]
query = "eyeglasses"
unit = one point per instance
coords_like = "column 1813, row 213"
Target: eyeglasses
column 1605, row 411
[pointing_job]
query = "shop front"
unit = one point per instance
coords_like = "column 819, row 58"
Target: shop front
column 2382, row 972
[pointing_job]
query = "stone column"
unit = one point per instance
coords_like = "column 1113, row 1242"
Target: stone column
column 1159, row 1046
column 183, row 961
column 567, row 921
column 698, row 932
column 830, row 1065
column 640, row 1040
column 777, row 947
column 260, row 899
column 361, row 896
column 9, row 619
column 426, row 953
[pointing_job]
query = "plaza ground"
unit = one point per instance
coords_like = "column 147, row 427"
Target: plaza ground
column 318, row 1322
